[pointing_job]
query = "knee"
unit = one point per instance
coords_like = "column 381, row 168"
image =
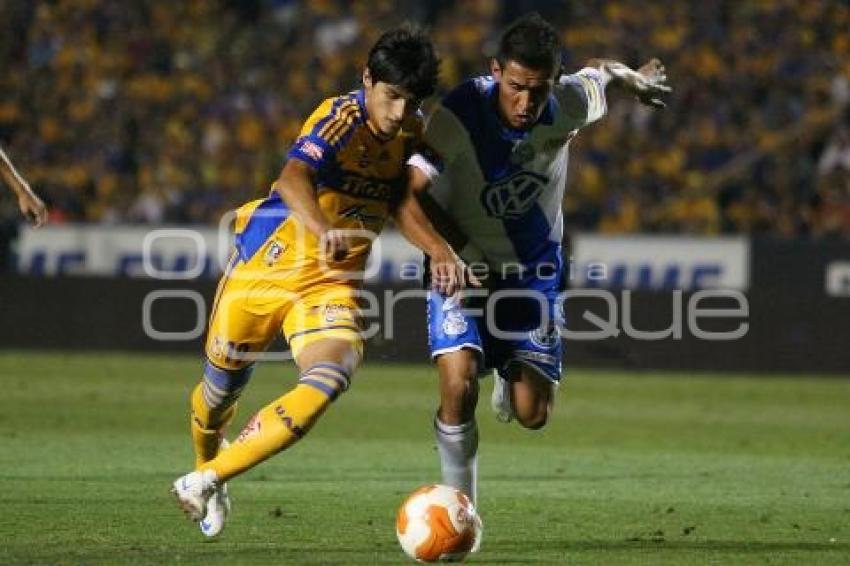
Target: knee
column 532, row 396
column 328, row 377
column 532, row 406
column 222, row 387
column 343, row 354
column 458, row 392
column 458, row 375
column 459, row 386
column 534, row 419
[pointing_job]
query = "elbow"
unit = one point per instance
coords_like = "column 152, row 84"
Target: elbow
column 401, row 212
column 293, row 174
column 280, row 186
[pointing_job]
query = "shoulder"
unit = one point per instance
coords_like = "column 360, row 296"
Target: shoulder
column 464, row 107
column 337, row 109
column 328, row 129
column 469, row 95
column 413, row 124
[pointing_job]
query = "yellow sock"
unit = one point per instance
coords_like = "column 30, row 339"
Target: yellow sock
column 281, row 423
column 208, row 426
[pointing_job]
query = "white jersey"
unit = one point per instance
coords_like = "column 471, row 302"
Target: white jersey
column 503, row 187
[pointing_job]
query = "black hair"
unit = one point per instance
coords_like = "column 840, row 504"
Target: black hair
column 532, row 42
column 405, row 57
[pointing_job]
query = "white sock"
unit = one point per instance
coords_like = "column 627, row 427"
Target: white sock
column 458, row 446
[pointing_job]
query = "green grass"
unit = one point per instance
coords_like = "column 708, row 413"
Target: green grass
column 633, row 469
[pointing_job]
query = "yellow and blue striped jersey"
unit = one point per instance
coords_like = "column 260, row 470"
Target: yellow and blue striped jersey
column 360, row 178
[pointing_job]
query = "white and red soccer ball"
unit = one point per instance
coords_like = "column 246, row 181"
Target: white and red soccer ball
column 438, row 523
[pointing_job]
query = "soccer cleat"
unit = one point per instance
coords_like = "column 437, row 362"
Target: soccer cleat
column 218, row 508
column 193, row 491
column 500, row 400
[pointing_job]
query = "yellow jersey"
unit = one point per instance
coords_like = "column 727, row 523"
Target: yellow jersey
column 360, row 178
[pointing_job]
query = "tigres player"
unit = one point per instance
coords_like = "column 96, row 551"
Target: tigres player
column 299, row 256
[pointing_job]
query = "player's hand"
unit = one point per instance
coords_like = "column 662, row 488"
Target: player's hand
column 449, row 273
column 32, row 208
column 647, row 83
column 335, row 244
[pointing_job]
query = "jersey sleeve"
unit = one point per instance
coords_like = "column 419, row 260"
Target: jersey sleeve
column 324, row 133
column 440, row 143
column 582, row 96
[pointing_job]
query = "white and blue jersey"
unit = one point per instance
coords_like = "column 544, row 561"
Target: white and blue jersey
column 504, row 189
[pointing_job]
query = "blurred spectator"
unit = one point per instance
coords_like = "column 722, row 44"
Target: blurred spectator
column 176, row 111
column 836, row 156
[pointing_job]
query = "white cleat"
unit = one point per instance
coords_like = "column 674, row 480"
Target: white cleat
column 193, row 491
column 500, row 401
column 218, row 508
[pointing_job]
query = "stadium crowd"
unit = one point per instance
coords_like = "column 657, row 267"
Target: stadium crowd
column 176, row 111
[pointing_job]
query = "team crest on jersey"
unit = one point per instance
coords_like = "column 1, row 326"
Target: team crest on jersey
column 454, row 324
column 514, row 196
column 274, row 252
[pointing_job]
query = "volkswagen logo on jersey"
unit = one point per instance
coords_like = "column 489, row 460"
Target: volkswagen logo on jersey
column 514, row 196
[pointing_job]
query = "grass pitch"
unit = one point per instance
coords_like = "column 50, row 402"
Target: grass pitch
column 634, row 469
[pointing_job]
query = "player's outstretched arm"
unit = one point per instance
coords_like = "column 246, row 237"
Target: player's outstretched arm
column 448, row 270
column 297, row 187
column 648, row 83
column 30, row 205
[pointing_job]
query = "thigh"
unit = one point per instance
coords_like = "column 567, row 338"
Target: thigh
column 534, row 341
column 529, row 384
column 451, row 328
column 324, row 312
column 245, row 318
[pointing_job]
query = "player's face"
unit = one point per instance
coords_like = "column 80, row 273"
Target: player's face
column 388, row 105
column 523, row 92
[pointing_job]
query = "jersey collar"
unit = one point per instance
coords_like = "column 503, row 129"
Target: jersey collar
column 547, row 117
column 360, row 95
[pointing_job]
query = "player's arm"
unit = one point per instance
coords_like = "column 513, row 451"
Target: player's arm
column 647, row 83
column 297, row 187
column 439, row 218
column 437, row 149
column 316, row 147
column 583, row 94
column 30, row 205
column 448, row 271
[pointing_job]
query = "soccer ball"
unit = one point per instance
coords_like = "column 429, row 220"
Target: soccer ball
column 438, row 523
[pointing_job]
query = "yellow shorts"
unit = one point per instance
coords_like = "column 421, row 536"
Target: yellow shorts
column 249, row 310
